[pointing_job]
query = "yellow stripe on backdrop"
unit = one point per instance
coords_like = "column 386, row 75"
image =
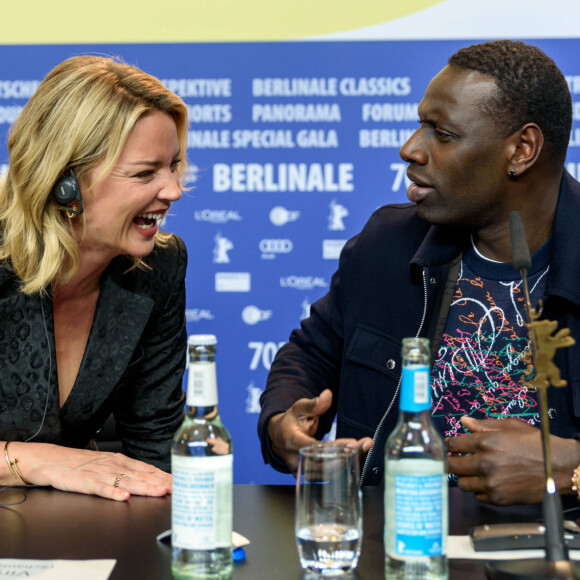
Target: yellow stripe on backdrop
column 147, row 21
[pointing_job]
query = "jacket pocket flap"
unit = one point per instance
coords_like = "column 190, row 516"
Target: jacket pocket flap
column 375, row 350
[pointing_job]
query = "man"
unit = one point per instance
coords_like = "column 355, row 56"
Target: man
column 494, row 129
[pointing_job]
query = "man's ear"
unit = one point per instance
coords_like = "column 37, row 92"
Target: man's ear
column 526, row 144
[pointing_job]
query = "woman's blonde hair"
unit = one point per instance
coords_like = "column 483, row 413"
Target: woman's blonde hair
column 81, row 114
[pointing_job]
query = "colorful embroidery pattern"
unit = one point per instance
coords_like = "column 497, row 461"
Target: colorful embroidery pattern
column 479, row 365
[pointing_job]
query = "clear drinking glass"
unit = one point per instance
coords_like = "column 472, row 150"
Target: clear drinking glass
column 328, row 521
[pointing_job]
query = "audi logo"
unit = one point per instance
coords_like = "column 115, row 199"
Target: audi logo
column 276, row 246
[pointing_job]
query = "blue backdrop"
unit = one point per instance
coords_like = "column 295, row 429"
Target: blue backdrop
column 293, row 145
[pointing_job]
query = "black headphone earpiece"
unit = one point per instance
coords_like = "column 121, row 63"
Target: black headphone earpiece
column 66, row 192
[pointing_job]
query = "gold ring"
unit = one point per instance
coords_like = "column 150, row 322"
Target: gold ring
column 118, row 479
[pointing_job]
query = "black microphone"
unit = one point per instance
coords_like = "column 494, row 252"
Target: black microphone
column 556, row 549
column 521, row 258
column 522, row 262
column 557, row 564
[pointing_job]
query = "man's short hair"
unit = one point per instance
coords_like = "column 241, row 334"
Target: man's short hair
column 533, row 89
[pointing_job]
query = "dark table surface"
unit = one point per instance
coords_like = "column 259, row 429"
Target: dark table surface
column 57, row 525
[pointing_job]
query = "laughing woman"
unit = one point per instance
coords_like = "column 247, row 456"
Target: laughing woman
column 92, row 295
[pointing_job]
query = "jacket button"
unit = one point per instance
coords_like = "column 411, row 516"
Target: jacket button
column 433, row 280
column 376, row 470
column 552, row 413
column 390, row 364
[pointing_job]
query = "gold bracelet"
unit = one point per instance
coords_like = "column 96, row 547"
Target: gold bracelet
column 13, row 466
column 576, row 481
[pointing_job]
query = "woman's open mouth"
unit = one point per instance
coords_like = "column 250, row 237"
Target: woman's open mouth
column 145, row 221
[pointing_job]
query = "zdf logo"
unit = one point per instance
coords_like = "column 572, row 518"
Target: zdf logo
column 273, row 246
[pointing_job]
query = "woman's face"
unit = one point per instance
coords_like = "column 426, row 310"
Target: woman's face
column 123, row 211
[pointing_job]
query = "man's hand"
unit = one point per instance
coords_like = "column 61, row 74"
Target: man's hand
column 501, row 461
column 294, row 429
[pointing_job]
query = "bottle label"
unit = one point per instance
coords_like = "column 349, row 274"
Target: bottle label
column 419, row 515
column 415, row 395
column 202, row 385
column 201, row 502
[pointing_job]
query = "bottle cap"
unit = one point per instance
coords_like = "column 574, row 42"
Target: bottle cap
column 201, row 339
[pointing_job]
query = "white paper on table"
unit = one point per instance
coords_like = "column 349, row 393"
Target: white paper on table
column 56, row 569
column 461, row 548
column 238, row 540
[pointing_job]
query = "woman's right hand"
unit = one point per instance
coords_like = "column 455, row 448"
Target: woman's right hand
column 85, row 471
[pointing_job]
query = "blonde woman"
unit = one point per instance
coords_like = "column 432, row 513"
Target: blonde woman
column 92, row 293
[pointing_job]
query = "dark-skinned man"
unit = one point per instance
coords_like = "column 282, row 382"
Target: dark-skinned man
column 493, row 134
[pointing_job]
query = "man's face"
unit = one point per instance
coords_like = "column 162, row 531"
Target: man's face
column 458, row 158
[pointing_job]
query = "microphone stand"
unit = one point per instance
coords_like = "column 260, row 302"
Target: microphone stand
column 556, row 565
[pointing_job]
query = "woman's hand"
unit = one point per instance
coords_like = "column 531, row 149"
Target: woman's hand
column 90, row 472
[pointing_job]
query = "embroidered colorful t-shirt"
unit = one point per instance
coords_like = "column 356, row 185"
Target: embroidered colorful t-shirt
column 479, row 365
